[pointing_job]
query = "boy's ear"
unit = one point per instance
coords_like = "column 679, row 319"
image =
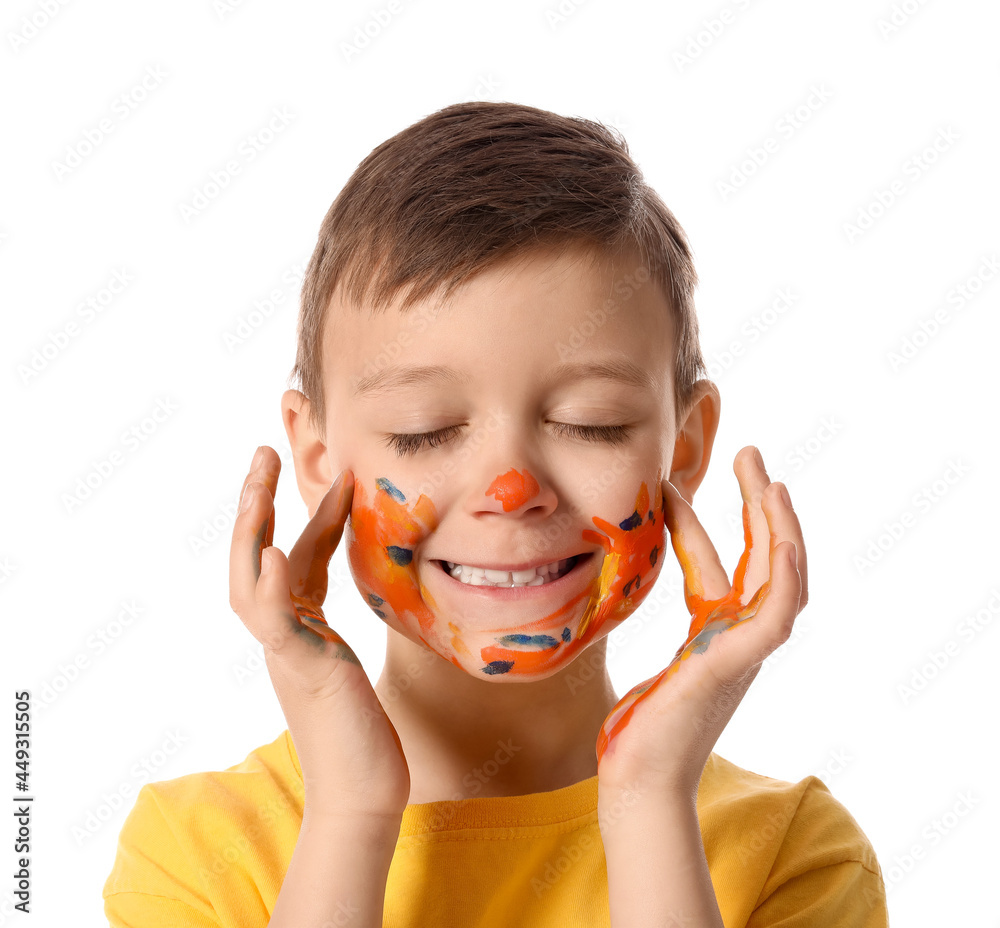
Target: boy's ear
column 309, row 452
column 695, row 437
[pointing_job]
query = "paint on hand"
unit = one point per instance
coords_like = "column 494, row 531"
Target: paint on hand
column 513, row 489
column 708, row 619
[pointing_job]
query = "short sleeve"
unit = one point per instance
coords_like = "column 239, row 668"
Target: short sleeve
column 842, row 895
column 144, row 910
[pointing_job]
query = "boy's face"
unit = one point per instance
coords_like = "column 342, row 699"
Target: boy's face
column 546, row 385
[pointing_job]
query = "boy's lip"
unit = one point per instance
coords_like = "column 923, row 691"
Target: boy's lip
column 511, row 565
column 559, row 587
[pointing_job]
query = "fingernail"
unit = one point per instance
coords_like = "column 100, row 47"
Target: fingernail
column 247, row 498
column 784, row 495
column 758, row 458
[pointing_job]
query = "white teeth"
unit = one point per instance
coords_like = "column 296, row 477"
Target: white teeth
column 484, row 576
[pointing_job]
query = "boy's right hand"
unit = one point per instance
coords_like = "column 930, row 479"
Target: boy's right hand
column 352, row 761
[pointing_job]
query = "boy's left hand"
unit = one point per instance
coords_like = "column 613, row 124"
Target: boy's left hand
column 660, row 735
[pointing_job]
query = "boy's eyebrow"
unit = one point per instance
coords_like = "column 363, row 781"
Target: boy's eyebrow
column 620, row 370
column 397, row 376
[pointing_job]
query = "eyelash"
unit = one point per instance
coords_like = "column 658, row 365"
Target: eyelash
column 411, row 442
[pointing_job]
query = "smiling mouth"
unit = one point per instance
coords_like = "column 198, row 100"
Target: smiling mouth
column 533, row 576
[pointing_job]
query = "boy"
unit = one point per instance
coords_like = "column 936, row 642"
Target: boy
column 499, row 364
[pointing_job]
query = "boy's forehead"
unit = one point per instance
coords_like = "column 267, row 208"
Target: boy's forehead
column 573, row 301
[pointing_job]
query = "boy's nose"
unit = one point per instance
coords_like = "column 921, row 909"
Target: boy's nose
column 512, row 490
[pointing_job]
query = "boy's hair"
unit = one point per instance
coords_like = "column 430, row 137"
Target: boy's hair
column 475, row 183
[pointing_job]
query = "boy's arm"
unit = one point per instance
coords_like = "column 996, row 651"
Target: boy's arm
column 338, row 872
column 655, row 743
column 657, row 870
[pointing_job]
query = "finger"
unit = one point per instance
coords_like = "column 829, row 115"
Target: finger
column 753, row 568
column 775, row 612
column 704, row 576
column 285, row 632
column 265, row 468
column 783, row 525
column 249, row 535
column 309, row 559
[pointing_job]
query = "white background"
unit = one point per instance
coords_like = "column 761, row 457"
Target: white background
column 910, row 444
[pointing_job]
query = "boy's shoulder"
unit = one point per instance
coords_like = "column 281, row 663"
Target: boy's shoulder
column 788, row 833
column 215, row 828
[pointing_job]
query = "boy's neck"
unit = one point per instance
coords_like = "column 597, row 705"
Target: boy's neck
column 464, row 737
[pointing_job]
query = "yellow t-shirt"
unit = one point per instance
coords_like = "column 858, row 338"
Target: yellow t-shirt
column 211, row 849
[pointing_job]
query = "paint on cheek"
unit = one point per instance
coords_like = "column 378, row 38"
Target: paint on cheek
column 513, row 489
column 632, row 550
column 384, row 533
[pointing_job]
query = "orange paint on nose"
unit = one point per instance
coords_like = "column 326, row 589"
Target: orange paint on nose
column 513, row 489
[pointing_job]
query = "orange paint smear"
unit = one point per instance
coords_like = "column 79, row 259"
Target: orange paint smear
column 388, row 522
column 513, row 489
column 630, row 556
column 729, row 610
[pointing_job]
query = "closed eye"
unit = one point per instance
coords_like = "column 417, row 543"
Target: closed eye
column 411, row 442
column 407, row 443
column 612, row 434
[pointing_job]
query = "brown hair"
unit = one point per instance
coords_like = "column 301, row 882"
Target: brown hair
column 470, row 185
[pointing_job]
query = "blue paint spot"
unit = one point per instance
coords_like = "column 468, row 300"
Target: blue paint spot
column 653, row 555
column 628, row 586
column 401, row 556
column 633, row 521
column 494, row 667
column 384, row 483
column 542, row 642
column 649, row 515
column 700, row 642
column 375, row 600
column 566, row 635
column 379, row 613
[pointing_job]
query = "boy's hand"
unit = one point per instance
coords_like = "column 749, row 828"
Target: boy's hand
column 351, row 758
column 659, row 736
